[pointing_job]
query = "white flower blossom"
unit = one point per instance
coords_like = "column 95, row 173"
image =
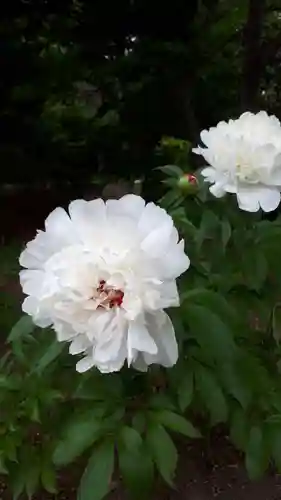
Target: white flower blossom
column 102, row 277
column 245, row 159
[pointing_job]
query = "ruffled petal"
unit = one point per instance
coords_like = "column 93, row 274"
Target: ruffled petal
column 161, row 329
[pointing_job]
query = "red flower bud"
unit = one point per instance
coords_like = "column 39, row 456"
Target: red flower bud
column 188, row 183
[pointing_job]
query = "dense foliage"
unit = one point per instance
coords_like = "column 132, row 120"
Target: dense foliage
column 228, row 330
column 86, row 92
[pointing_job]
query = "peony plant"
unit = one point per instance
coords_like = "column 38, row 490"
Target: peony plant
column 144, row 320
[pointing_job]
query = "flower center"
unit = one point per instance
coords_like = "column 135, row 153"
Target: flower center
column 246, row 172
column 109, row 297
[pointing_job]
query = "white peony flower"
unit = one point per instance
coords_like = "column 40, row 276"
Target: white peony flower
column 101, row 276
column 245, row 158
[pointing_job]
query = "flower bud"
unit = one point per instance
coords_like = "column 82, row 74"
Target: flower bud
column 188, row 184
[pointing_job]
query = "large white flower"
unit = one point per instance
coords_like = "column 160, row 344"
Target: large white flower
column 245, row 158
column 101, row 276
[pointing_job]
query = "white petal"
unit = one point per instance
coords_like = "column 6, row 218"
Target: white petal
column 31, row 281
column 93, row 211
column 85, row 364
column 204, row 136
column 247, row 200
column 209, row 173
column 162, row 330
column 58, row 224
column 269, row 198
column 31, row 306
column 115, row 364
column 139, row 339
column 129, row 205
column 64, row 331
column 139, row 363
column 27, row 259
column 152, row 218
column 38, row 250
column 88, row 218
column 169, row 295
column 217, row 190
column 79, row 344
column 108, row 351
column 158, row 239
column 173, row 263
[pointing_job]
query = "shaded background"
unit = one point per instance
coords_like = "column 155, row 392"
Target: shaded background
column 88, row 88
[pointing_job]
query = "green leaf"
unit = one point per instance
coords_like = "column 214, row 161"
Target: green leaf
column 213, row 301
column 254, row 267
column 12, row 382
column 225, row 232
column 139, row 422
column 276, row 445
column 171, row 170
column 234, row 382
column 3, row 469
column 176, row 423
column 95, row 482
column 21, row 329
column 211, row 394
column 161, row 401
column 130, row 438
column 18, row 484
column 52, row 351
column 276, row 322
column 32, row 477
column 256, row 453
column 78, row 435
column 211, row 333
column 48, row 478
column 135, row 463
column 163, row 451
column 239, row 429
column 209, row 224
column 185, row 390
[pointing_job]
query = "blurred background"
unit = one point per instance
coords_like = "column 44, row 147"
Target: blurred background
column 90, row 87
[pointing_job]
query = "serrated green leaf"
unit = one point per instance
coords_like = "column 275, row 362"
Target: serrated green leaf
column 163, row 451
column 95, row 482
column 211, row 394
column 176, row 423
column 78, row 435
column 185, row 390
